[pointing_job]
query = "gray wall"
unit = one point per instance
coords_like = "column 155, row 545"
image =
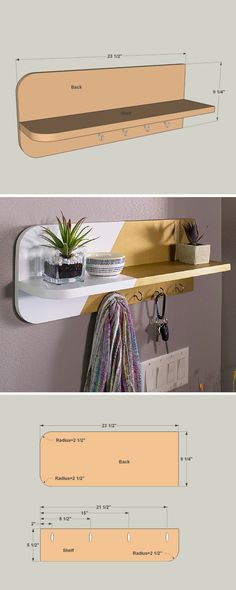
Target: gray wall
column 229, row 292
column 50, row 357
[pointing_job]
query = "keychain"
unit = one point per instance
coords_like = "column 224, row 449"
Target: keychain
column 161, row 321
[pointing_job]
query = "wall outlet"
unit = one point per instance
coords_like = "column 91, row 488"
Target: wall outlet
column 166, row 372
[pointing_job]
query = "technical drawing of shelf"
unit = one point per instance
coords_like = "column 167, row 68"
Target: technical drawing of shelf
column 145, row 545
column 149, row 249
column 67, row 110
column 122, row 459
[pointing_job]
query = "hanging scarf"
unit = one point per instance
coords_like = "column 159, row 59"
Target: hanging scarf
column 114, row 362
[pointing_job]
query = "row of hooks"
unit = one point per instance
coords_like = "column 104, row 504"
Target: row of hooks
column 179, row 288
column 125, row 131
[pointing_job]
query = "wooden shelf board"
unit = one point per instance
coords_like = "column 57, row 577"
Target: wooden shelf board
column 69, row 126
column 172, row 270
column 133, row 276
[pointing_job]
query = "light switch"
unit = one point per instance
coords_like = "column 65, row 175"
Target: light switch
column 181, row 368
column 161, row 377
column 172, row 371
column 166, row 372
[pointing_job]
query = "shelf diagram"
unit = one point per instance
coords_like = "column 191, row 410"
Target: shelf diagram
column 109, row 532
column 60, row 111
column 150, row 266
column 103, row 533
column 125, row 456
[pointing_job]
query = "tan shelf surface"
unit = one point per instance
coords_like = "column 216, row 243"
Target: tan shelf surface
column 69, row 126
column 147, row 274
column 98, row 544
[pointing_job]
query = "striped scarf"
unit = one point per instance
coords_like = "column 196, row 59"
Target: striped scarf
column 114, row 362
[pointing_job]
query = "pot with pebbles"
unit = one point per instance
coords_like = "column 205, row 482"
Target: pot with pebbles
column 67, row 263
column 194, row 252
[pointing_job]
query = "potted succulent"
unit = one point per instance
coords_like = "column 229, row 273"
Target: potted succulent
column 194, row 252
column 67, row 264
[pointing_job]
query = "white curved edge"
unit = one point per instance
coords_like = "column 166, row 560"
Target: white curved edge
column 32, row 303
column 41, row 289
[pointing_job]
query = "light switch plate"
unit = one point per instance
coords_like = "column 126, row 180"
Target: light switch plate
column 167, row 372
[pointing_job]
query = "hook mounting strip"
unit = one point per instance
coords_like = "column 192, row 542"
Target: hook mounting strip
column 150, row 266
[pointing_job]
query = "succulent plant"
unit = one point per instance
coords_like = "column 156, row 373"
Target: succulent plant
column 70, row 240
column 192, row 233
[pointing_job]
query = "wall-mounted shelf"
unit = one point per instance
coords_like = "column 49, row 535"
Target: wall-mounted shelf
column 68, row 110
column 138, row 276
column 148, row 247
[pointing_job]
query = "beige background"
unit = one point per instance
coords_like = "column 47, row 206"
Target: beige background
column 199, row 159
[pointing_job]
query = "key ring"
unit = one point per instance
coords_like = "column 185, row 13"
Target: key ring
column 160, row 315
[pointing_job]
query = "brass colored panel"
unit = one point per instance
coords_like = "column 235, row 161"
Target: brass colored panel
column 165, row 271
column 147, row 241
column 109, row 459
column 109, row 544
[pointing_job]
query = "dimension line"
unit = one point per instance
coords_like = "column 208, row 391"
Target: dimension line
column 150, row 54
column 85, row 506
column 60, row 58
column 186, row 450
column 116, row 426
column 218, row 99
column 204, row 63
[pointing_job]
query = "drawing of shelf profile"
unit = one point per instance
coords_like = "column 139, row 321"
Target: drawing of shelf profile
column 109, row 545
column 60, row 111
column 110, row 458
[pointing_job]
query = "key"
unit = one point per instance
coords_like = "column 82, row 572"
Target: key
column 164, row 330
column 158, row 331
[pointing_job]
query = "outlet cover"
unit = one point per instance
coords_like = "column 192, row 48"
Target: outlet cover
column 167, row 372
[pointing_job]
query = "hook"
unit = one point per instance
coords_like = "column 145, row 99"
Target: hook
column 157, row 293
column 162, row 314
column 140, row 298
column 179, row 288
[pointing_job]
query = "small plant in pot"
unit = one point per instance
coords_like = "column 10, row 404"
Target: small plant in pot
column 194, row 252
column 67, row 264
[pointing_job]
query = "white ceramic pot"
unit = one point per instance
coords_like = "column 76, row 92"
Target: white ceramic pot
column 189, row 254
